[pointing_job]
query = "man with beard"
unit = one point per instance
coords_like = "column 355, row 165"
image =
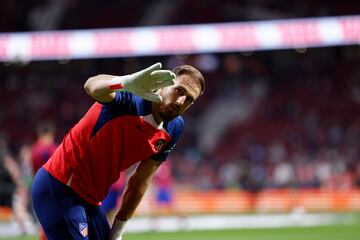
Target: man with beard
column 135, row 120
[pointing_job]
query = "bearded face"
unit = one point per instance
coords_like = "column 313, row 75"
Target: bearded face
column 179, row 97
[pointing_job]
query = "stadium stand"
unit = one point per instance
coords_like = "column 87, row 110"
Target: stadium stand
column 274, row 119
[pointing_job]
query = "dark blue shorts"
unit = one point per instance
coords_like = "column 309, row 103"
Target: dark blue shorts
column 63, row 214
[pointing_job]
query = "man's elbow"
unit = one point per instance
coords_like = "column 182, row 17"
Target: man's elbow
column 88, row 86
column 92, row 86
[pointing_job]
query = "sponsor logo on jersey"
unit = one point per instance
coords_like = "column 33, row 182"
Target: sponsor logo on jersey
column 83, row 228
column 160, row 144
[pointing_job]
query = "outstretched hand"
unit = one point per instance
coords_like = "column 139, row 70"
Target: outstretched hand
column 146, row 81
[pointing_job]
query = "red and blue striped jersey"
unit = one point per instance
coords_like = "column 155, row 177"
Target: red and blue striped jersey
column 107, row 140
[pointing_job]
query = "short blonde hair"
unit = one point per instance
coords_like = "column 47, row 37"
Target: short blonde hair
column 193, row 72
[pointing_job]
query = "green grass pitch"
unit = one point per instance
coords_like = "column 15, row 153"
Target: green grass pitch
column 331, row 232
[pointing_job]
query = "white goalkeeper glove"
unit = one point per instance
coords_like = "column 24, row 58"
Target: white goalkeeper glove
column 117, row 230
column 144, row 82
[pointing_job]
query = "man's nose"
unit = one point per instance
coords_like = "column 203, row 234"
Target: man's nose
column 181, row 100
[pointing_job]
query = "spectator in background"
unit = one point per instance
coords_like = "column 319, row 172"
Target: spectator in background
column 13, row 192
column 7, row 178
column 163, row 186
column 44, row 147
column 42, row 150
column 163, row 183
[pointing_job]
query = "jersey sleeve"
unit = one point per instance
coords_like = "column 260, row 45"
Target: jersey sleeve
column 121, row 97
column 175, row 129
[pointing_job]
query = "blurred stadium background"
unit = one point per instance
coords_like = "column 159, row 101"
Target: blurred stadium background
column 273, row 143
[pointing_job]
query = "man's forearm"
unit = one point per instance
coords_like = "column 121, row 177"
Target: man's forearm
column 135, row 189
column 133, row 194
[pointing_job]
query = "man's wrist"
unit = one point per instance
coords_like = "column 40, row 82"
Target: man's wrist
column 117, row 83
column 117, row 229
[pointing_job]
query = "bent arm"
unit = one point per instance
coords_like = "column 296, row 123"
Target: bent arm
column 98, row 88
column 136, row 187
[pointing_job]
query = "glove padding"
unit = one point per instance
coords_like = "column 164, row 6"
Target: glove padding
column 145, row 82
column 117, row 230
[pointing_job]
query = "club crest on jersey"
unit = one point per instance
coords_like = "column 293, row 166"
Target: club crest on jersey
column 83, row 228
column 160, row 144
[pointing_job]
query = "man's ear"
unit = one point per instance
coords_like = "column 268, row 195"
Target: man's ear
column 159, row 91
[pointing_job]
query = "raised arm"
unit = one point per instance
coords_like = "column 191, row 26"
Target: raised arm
column 102, row 87
column 135, row 189
column 98, row 88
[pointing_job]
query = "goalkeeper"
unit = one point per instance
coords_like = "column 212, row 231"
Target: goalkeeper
column 135, row 120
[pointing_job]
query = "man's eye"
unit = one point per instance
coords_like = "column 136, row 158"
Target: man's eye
column 179, row 90
column 189, row 99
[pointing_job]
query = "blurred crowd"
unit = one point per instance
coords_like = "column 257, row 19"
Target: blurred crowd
column 278, row 120
column 267, row 120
